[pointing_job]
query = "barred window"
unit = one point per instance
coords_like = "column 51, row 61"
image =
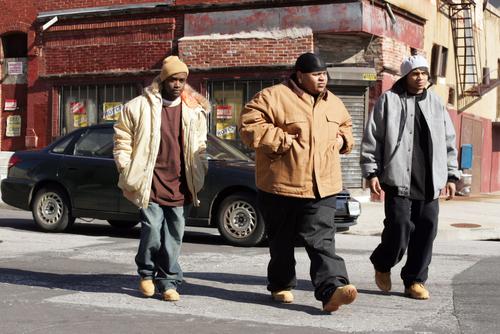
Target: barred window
column 92, row 104
column 228, row 98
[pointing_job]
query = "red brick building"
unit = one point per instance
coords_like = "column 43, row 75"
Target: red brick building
column 66, row 64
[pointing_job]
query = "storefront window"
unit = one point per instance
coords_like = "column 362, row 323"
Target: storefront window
column 92, row 104
column 228, row 98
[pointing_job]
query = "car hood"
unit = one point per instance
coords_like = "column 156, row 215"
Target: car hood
column 249, row 166
column 238, row 164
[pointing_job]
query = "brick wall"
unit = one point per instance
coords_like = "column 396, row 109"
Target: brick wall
column 110, row 45
column 392, row 52
column 206, row 53
column 49, row 5
column 205, row 2
column 16, row 15
column 343, row 49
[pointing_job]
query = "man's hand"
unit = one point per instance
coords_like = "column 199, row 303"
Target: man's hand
column 450, row 190
column 340, row 142
column 374, row 185
column 291, row 137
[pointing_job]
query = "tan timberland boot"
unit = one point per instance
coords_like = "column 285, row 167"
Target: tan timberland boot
column 283, row 296
column 383, row 281
column 147, row 287
column 171, row 295
column 343, row 295
column 417, row 291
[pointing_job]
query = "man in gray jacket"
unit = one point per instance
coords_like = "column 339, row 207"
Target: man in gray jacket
column 408, row 150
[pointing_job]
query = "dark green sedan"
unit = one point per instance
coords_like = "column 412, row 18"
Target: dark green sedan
column 76, row 177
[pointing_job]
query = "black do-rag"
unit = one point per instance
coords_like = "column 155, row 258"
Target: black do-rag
column 309, row 62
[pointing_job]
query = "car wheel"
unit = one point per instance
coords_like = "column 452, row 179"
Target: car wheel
column 51, row 210
column 239, row 221
column 124, row 224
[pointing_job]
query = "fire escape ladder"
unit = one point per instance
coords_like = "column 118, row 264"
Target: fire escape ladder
column 462, row 26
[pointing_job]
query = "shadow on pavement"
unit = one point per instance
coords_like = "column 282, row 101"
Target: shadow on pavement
column 247, row 297
column 380, row 293
column 111, row 283
column 127, row 284
column 230, row 278
column 100, row 229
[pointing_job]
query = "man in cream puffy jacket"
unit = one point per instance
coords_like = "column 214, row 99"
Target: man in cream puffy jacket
column 159, row 146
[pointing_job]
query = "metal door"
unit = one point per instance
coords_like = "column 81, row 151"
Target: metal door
column 355, row 100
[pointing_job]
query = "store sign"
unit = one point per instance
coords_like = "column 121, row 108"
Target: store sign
column 10, row 105
column 226, row 132
column 224, row 112
column 112, row 111
column 15, row 67
column 77, row 108
column 13, row 126
column 80, row 118
column 369, row 76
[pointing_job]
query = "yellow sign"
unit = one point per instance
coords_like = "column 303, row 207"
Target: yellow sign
column 370, row 76
column 111, row 111
column 80, row 120
column 226, row 130
column 79, row 112
column 13, row 128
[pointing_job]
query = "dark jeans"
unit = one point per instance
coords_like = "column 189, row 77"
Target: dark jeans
column 409, row 224
column 310, row 221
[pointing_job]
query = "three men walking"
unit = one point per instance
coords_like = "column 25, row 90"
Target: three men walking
column 298, row 130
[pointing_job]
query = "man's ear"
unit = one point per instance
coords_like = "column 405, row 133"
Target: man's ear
column 299, row 76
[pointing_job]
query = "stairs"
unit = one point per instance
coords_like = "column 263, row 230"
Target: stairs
column 462, row 25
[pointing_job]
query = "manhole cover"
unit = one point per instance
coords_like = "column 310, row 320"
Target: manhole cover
column 466, row 225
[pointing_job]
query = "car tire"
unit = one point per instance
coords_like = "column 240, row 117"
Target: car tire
column 123, row 224
column 239, row 221
column 51, row 210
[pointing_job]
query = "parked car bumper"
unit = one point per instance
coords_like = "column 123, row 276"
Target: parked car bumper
column 16, row 192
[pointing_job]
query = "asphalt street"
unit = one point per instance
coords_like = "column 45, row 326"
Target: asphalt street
column 85, row 282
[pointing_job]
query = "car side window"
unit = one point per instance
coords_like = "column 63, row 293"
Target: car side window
column 95, row 143
column 61, row 147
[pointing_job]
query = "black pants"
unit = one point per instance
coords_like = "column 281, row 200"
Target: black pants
column 310, row 221
column 409, row 224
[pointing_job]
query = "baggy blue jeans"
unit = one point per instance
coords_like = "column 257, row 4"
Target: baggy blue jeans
column 162, row 229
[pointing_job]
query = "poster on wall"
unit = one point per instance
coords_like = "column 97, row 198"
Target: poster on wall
column 15, row 67
column 226, row 130
column 10, row 105
column 111, row 111
column 79, row 113
column 224, row 111
column 13, row 126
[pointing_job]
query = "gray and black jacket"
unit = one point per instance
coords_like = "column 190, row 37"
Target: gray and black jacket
column 387, row 146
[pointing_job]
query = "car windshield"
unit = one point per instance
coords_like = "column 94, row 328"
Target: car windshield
column 217, row 149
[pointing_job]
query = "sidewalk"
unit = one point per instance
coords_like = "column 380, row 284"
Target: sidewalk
column 463, row 218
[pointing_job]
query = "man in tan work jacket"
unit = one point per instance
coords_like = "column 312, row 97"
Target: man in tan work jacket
column 298, row 130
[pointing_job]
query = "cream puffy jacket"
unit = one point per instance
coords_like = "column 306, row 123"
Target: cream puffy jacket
column 137, row 141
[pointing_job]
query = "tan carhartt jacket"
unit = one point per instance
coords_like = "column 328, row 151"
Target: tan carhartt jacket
column 137, row 141
column 309, row 165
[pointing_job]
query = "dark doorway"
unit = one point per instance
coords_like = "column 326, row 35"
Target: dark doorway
column 15, row 45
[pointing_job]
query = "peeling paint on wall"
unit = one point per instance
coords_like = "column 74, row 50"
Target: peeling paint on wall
column 334, row 18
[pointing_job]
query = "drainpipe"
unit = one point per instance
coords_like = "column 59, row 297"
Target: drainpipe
column 390, row 13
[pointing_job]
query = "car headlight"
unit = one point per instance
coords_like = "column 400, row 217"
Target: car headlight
column 353, row 208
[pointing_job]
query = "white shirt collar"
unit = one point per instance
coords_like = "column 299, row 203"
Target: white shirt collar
column 174, row 103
